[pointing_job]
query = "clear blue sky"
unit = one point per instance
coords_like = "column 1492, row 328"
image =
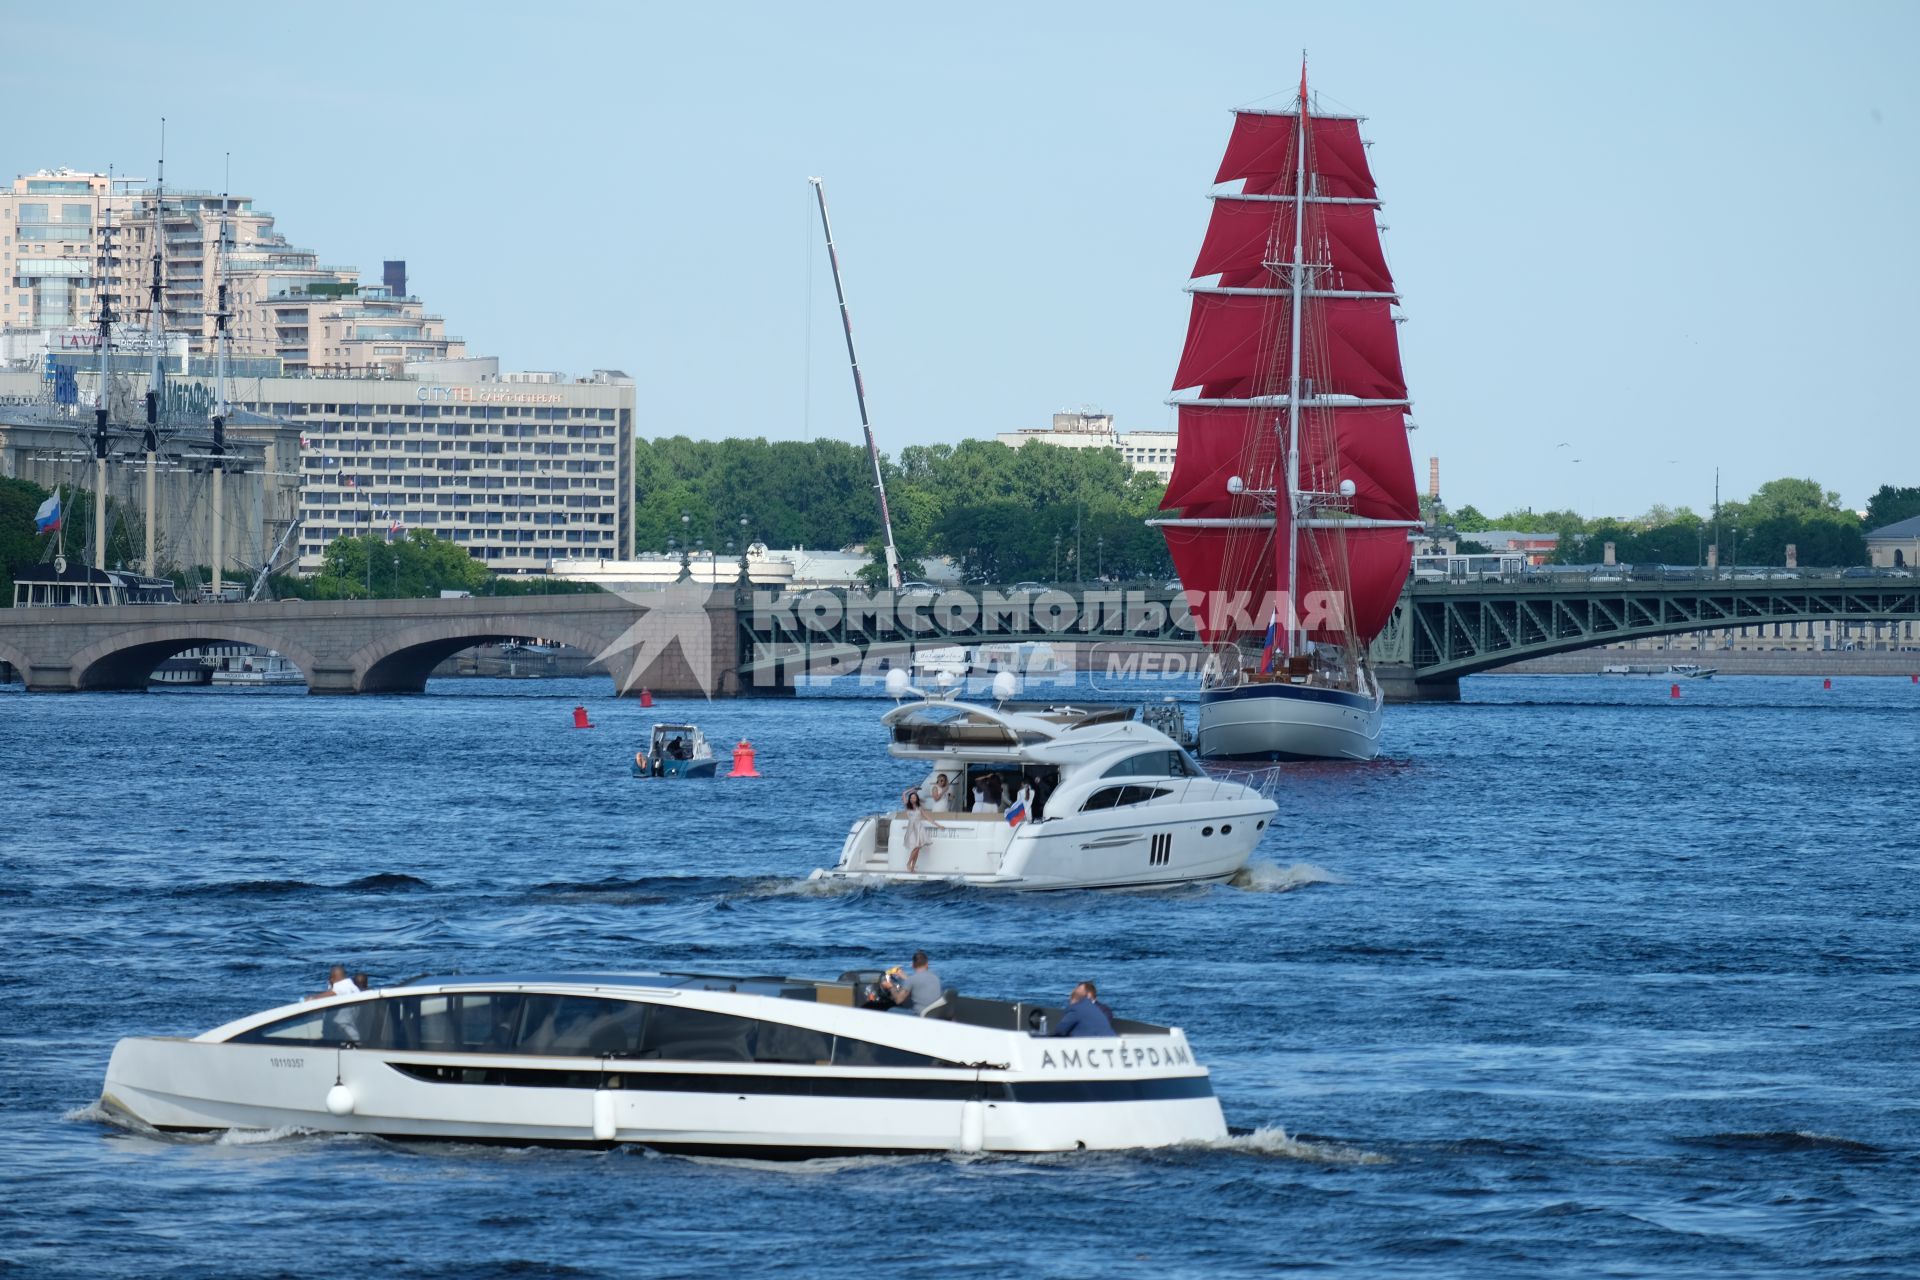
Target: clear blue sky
column 1671, row 235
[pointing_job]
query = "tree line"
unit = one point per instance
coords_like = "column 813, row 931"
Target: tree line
column 1003, row 514
column 1757, row 530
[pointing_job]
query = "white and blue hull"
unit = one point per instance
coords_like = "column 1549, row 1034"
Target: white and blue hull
column 1289, row 722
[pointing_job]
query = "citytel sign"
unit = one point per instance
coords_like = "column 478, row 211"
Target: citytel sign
column 484, row 395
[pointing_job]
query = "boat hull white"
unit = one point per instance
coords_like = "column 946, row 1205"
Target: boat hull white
column 726, row 1109
column 1152, row 847
column 1288, row 722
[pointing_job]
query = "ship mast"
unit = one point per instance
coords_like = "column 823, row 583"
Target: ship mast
column 100, row 409
column 219, row 450
column 157, row 334
column 859, row 387
column 1296, row 288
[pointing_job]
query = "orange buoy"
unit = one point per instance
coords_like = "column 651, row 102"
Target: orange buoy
column 743, row 761
column 1675, row 693
column 646, row 697
column 1827, row 683
column 580, row 720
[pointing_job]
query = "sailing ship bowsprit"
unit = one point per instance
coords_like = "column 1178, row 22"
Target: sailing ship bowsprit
column 1293, row 479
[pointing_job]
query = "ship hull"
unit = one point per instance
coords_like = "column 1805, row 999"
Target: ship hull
column 1288, row 722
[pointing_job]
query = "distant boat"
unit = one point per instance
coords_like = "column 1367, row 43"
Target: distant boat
column 676, row 751
column 1293, row 479
column 1672, row 671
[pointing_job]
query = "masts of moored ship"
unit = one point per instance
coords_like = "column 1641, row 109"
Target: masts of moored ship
column 1296, row 288
column 100, row 438
column 220, row 401
column 157, row 331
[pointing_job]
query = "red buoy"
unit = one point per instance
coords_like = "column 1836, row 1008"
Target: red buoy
column 1827, row 683
column 580, row 720
column 646, row 697
column 1915, row 677
column 1675, row 693
column 743, row 761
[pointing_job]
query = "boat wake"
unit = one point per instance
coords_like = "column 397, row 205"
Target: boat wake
column 1275, row 1142
column 1784, row 1141
column 1261, row 876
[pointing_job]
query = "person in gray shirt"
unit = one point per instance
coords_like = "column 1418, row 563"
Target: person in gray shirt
column 915, row 991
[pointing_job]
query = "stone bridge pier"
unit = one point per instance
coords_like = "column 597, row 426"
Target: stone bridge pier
column 375, row 646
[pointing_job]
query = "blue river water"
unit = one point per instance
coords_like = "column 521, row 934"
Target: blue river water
column 1579, row 979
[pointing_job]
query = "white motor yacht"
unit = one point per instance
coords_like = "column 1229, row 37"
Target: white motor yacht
column 762, row 1067
column 1117, row 803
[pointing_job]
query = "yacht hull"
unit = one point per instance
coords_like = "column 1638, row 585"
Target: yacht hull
column 751, row 1110
column 1288, row 722
column 1150, row 847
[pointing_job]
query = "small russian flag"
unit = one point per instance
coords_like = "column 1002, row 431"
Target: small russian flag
column 1017, row 814
column 47, row 518
column 1273, row 632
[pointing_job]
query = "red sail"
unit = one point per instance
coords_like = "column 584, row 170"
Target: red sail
column 1367, row 445
column 1237, row 346
column 1350, row 580
column 1261, row 151
column 1244, row 235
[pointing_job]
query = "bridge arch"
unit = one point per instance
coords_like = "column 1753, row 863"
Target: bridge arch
column 400, row 661
column 15, row 659
column 127, row 660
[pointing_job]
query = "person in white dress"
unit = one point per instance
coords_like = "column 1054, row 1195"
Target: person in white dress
column 1024, row 796
column 940, row 799
column 920, row 828
column 983, row 798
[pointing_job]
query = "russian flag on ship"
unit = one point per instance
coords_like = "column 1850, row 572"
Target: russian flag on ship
column 47, row 518
column 1273, row 634
column 1017, row 813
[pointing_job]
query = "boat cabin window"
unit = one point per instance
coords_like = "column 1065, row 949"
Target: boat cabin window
column 1154, row 764
column 572, row 1026
column 1116, row 797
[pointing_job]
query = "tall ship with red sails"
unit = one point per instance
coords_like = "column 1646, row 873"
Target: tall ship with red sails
column 1293, row 481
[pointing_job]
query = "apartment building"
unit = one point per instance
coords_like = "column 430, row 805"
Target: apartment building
column 1149, row 451
column 66, row 235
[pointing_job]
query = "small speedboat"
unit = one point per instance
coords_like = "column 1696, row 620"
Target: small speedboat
column 1116, row 803
column 769, row 1068
column 675, row 751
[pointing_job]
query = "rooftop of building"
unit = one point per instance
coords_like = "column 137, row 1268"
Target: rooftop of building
column 1487, row 537
column 1899, row 530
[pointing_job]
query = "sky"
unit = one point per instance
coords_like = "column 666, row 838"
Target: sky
column 1672, row 237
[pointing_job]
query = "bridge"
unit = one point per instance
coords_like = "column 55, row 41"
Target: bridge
column 1442, row 631
column 362, row 646
column 739, row 643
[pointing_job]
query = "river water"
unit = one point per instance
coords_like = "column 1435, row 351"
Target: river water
column 1579, row 979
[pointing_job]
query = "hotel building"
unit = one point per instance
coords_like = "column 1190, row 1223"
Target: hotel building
column 1149, row 451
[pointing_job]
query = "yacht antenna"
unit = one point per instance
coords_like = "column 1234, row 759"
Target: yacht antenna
column 859, row 387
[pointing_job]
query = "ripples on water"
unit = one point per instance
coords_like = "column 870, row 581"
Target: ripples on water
column 1579, row 980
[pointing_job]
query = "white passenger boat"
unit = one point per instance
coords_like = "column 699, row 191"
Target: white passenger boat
column 762, row 1067
column 1117, row 803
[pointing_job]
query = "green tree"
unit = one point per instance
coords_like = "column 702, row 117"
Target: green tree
column 1469, row 520
column 1794, row 499
column 418, row 564
column 1890, row 505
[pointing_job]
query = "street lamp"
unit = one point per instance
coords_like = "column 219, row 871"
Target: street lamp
column 744, row 543
column 1100, row 557
column 686, row 560
column 395, row 588
column 1056, row 558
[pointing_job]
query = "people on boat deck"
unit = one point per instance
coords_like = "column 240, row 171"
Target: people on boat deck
column 360, row 980
column 345, row 1023
column 338, row 984
column 1024, row 796
column 940, row 798
column 986, row 793
column 678, row 749
column 913, row 992
column 1085, row 1015
column 920, row 828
